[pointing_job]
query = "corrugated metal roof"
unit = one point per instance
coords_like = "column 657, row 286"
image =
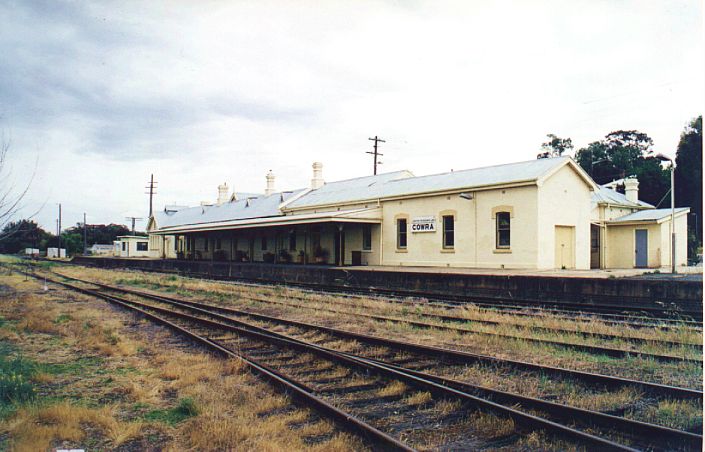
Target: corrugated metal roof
column 404, row 183
column 261, row 206
column 370, row 215
column 649, row 215
column 610, row 196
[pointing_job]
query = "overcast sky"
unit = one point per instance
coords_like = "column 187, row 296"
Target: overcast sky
column 100, row 95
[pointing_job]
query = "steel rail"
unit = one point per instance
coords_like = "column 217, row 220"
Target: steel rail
column 612, row 352
column 437, row 352
column 448, row 318
column 291, row 387
column 521, row 310
column 526, row 420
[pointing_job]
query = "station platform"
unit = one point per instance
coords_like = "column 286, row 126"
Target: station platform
column 673, row 293
column 682, row 273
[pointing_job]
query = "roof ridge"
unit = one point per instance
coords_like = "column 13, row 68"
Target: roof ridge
column 491, row 166
column 374, row 175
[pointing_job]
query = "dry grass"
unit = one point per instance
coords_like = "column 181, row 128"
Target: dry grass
column 394, row 388
column 489, row 426
column 419, row 398
column 284, row 302
column 37, row 428
column 135, row 375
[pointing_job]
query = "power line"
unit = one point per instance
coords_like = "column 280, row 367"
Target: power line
column 376, row 153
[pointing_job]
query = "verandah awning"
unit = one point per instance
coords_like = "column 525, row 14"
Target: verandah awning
column 373, row 215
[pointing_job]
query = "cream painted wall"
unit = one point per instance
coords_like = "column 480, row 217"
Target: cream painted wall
column 131, row 247
column 620, row 248
column 564, row 200
column 681, row 240
column 621, row 244
column 474, row 230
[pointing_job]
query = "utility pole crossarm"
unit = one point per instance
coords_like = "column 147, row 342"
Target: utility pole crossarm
column 376, row 153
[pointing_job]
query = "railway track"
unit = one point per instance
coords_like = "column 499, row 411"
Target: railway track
column 275, row 351
column 668, row 314
column 445, row 322
column 680, row 352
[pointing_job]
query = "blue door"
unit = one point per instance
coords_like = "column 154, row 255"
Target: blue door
column 642, row 243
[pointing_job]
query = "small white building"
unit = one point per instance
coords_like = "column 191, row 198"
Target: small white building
column 55, row 253
column 98, row 249
column 132, row 246
column 31, row 251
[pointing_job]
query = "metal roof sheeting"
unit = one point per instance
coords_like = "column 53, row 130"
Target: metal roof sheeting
column 404, row 183
column 649, row 215
column 370, row 215
column 242, row 209
column 605, row 195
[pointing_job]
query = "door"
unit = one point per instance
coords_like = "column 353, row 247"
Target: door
column 594, row 246
column 565, row 246
column 339, row 246
column 641, row 241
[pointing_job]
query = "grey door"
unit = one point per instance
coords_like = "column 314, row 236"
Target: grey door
column 642, row 241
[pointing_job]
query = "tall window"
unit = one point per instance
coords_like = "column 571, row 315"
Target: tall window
column 217, row 244
column 292, row 241
column 367, row 237
column 448, row 231
column 123, row 246
column 401, row 233
column 503, row 230
column 205, row 244
column 264, row 243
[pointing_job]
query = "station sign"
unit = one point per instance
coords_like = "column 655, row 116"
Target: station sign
column 423, row 224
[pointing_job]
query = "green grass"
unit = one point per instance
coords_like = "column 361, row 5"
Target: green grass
column 16, row 387
column 62, row 318
column 171, row 416
column 77, row 367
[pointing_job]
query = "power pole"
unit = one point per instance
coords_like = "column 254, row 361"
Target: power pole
column 152, row 187
column 375, row 153
column 85, row 235
column 133, row 222
column 58, row 224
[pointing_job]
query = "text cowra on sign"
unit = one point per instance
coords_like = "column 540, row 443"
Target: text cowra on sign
column 423, row 224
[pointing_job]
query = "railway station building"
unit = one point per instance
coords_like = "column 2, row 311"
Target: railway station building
column 539, row 214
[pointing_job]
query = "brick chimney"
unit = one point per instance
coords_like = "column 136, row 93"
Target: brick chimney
column 270, row 184
column 222, row 193
column 317, row 181
column 631, row 189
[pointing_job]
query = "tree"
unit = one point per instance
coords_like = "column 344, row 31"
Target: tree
column 10, row 197
column 555, row 147
column 626, row 153
column 689, row 180
column 23, row 234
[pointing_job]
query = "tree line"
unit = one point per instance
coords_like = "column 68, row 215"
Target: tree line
column 18, row 235
column 626, row 153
